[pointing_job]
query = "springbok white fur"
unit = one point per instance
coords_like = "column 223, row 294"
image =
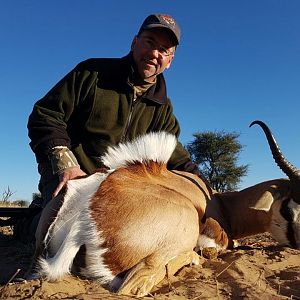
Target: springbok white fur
column 157, row 147
column 71, row 229
column 139, row 218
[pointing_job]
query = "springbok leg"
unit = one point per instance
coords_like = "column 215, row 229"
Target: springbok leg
column 149, row 272
column 183, row 259
column 141, row 278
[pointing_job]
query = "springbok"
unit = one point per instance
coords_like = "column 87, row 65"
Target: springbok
column 131, row 226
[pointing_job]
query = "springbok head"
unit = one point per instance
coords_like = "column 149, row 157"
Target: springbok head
column 285, row 225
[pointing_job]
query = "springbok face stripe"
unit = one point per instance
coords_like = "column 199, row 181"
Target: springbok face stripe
column 285, row 210
column 288, row 214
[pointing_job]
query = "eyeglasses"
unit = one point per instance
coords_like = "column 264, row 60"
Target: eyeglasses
column 150, row 44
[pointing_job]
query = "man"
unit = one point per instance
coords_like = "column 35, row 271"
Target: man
column 103, row 102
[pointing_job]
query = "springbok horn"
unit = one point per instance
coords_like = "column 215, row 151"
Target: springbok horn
column 292, row 172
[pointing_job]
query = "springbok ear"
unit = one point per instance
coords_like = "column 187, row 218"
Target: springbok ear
column 264, row 202
column 266, row 195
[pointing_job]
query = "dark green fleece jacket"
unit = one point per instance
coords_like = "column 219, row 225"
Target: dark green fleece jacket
column 92, row 108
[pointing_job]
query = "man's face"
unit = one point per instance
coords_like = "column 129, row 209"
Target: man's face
column 153, row 52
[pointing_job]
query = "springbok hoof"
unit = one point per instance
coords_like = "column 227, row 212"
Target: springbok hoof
column 210, row 252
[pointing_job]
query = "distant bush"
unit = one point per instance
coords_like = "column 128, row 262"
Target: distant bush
column 6, row 199
column 16, row 203
column 22, row 203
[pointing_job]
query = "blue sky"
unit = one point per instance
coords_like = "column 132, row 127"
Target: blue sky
column 238, row 61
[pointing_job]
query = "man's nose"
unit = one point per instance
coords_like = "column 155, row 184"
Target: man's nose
column 155, row 53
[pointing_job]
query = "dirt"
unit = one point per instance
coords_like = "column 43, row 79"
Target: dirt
column 258, row 269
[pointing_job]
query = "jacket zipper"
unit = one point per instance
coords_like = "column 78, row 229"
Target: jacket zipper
column 124, row 136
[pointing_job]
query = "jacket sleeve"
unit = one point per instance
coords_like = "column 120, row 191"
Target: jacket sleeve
column 48, row 122
column 180, row 159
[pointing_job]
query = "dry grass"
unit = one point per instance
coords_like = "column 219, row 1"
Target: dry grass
column 8, row 204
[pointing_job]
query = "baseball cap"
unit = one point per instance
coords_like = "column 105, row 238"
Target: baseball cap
column 162, row 21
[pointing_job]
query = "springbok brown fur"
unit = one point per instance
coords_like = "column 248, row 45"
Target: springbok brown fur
column 131, row 226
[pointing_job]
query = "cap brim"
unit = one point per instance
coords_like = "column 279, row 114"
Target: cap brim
column 151, row 26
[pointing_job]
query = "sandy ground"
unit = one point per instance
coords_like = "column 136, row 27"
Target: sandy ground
column 257, row 270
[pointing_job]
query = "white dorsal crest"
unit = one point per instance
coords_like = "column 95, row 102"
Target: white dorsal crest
column 154, row 146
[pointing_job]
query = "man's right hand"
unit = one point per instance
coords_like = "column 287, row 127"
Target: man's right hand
column 67, row 175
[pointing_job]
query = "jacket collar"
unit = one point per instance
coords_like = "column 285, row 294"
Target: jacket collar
column 157, row 92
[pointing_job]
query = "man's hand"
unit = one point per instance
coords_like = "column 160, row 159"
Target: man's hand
column 65, row 176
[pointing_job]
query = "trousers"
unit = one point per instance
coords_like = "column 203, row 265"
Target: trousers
column 25, row 228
